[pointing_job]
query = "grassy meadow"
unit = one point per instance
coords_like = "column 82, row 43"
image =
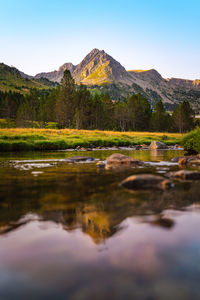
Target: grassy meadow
column 18, row 139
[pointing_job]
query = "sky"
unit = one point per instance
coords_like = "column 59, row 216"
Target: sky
column 41, row 35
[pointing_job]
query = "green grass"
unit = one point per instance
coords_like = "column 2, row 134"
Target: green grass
column 17, row 139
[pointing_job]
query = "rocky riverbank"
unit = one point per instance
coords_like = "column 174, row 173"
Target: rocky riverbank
column 155, row 145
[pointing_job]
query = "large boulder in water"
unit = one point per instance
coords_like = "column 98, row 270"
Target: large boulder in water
column 118, row 159
column 158, row 145
column 185, row 175
column 146, row 182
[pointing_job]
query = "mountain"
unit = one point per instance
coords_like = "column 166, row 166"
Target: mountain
column 99, row 71
column 171, row 91
column 11, row 79
column 96, row 68
column 56, row 76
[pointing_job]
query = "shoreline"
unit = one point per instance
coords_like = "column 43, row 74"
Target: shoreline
column 21, row 139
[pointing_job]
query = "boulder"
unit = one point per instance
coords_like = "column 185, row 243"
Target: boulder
column 185, row 174
column 182, row 161
column 194, row 161
column 77, row 159
column 101, row 164
column 163, row 222
column 138, row 147
column 176, row 159
column 158, row 145
column 144, row 146
column 118, row 159
column 145, row 182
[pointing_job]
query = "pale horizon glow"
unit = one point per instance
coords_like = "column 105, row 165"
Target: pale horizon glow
column 40, row 36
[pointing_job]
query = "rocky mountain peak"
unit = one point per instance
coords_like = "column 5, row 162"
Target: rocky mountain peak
column 99, row 68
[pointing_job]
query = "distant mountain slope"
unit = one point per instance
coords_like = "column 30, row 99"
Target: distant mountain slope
column 12, row 79
column 171, row 91
column 56, row 76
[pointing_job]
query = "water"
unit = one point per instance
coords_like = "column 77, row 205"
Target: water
column 69, row 231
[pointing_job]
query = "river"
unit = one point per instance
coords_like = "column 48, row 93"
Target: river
column 70, row 231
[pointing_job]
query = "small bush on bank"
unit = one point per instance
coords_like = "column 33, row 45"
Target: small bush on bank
column 191, row 141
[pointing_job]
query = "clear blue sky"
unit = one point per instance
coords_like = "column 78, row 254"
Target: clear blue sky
column 41, row 35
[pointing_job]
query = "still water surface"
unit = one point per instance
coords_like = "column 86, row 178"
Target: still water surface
column 69, row 231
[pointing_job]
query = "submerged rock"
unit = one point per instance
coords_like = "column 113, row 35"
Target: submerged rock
column 77, row 159
column 158, row 145
column 118, row 159
column 101, row 164
column 185, row 174
column 138, row 147
column 194, row 161
column 146, row 181
column 184, row 160
column 163, row 222
column 176, row 159
column 144, row 147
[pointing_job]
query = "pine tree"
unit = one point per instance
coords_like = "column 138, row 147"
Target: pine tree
column 183, row 117
column 65, row 102
column 160, row 119
column 139, row 112
column 82, row 104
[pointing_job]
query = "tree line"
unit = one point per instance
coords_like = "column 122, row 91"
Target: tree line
column 72, row 106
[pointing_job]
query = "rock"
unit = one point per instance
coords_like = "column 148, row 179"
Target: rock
column 118, row 159
column 176, row 159
column 182, row 161
column 144, row 146
column 146, row 181
column 158, row 145
column 138, row 147
column 185, row 174
column 163, row 222
column 77, row 159
column 101, row 164
column 194, row 161
column 177, row 146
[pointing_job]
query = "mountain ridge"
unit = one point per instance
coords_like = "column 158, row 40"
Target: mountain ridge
column 100, row 71
column 11, row 79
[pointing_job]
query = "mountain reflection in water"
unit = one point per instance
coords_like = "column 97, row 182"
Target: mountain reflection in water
column 71, row 232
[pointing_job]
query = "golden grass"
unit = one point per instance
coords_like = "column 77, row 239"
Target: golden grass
column 15, row 139
column 58, row 132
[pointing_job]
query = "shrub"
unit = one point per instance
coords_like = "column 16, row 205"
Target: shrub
column 50, row 145
column 191, row 141
column 164, row 137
